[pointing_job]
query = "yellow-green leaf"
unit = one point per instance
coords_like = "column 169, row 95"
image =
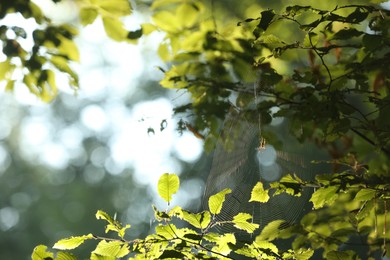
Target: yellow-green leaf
column 114, row 28
column 166, row 231
column 65, row 256
column 324, row 196
column 88, row 15
column 200, row 220
column 270, row 231
column 259, row 194
column 115, row 7
column 241, row 221
column 166, row 21
column 186, row 15
column 365, row 194
column 114, row 225
column 168, row 184
column 40, row 253
column 112, row 248
column 216, row 201
column 68, row 48
column 71, row 242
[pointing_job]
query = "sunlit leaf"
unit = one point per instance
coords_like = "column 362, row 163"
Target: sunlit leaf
column 114, row 28
column 112, row 248
column 186, row 15
column 168, row 184
column 113, row 224
column 259, row 194
column 216, row 201
column 40, row 253
column 199, row 220
column 87, row 15
column 324, row 196
column 166, row 231
column 71, row 242
column 65, row 256
column 241, row 221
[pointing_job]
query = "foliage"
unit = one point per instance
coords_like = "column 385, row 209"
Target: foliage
column 324, row 69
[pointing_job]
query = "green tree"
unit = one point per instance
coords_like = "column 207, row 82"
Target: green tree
column 323, row 67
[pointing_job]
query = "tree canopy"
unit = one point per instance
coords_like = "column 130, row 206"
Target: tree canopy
column 322, row 67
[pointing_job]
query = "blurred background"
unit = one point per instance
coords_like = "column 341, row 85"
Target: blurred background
column 102, row 148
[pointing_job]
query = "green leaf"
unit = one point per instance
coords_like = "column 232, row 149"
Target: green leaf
column 270, row 231
column 216, row 201
column 303, row 253
column 346, row 34
column 166, row 21
column 345, row 255
column 168, row 184
column 87, row 15
column 112, row 248
column 71, row 242
column 324, row 196
column 200, row 220
column 288, row 184
column 114, row 28
column 166, row 231
column 172, row 254
column 40, row 253
column 365, row 194
column 241, row 221
column 113, row 225
column 100, row 257
column 259, row 194
column 65, row 256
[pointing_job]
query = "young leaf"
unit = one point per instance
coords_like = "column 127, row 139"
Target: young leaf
column 166, row 231
column 216, row 201
column 40, row 253
column 168, row 184
column 259, row 194
column 200, row 220
column 113, row 225
column 112, row 248
column 71, row 242
column 324, row 196
column 240, row 221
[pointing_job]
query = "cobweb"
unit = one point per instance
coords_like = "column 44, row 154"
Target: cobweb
column 238, row 164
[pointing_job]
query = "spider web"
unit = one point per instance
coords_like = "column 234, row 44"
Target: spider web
column 239, row 164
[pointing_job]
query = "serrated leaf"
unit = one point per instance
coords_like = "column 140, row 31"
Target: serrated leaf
column 259, row 194
column 112, row 248
column 40, row 253
column 241, row 222
column 216, row 201
column 71, row 242
column 365, row 194
column 200, row 220
column 166, row 231
column 114, row 225
column 324, row 196
column 168, row 184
